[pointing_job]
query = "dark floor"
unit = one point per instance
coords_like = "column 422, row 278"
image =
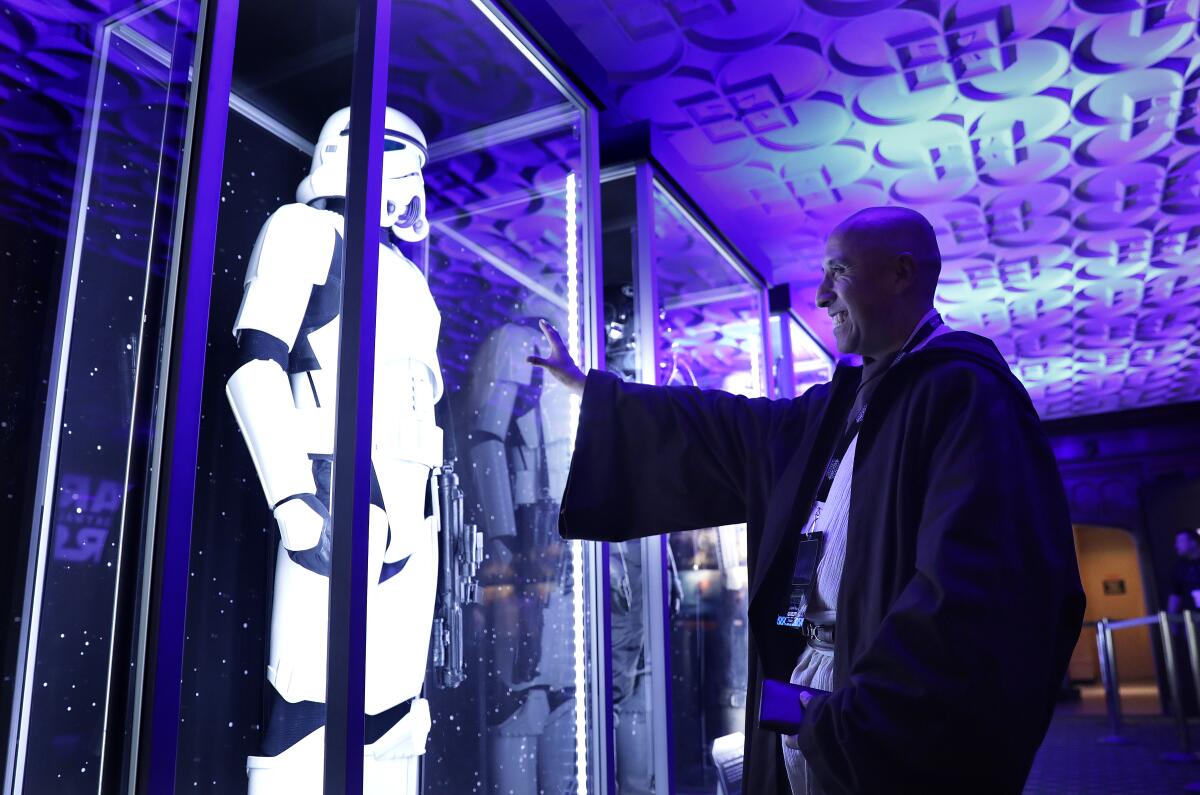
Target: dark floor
column 1073, row 760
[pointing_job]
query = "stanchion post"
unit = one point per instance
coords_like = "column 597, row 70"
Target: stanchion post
column 1108, row 676
column 1193, row 647
column 1174, row 680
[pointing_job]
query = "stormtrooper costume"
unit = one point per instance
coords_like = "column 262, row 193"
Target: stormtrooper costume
column 520, row 452
column 284, row 398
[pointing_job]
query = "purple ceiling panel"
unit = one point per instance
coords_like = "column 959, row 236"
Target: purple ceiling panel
column 1055, row 147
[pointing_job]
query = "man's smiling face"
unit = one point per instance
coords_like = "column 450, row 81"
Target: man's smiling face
column 879, row 276
column 853, row 291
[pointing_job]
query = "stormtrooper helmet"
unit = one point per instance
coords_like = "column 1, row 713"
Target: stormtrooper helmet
column 402, row 205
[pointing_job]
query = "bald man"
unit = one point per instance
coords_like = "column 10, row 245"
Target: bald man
column 910, row 550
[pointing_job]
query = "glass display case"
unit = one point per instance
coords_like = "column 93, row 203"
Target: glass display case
column 680, row 308
column 799, row 362
column 712, row 333
column 75, row 676
column 233, row 321
column 476, row 654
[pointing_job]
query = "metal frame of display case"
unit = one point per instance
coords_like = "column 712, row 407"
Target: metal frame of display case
column 191, row 259
column 178, row 426
column 788, row 318
column 162, row 611
column 785, row 316
column 657, row 651
column 115, row 27
column 647, row 180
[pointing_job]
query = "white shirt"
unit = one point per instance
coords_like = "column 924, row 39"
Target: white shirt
column 814, row 666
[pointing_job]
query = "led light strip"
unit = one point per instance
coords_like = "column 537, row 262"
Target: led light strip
column 577, row 593
column 756, row 365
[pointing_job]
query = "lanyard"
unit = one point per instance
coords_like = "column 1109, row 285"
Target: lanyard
column 831, row 469
column 812, row 544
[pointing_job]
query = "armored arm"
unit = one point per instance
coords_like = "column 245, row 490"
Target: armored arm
column 291, row 255
column 498, row 372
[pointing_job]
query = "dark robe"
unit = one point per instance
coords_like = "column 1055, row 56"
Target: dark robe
column 960, row 600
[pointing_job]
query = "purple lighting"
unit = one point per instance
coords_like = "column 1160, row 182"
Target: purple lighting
column 1053, row 145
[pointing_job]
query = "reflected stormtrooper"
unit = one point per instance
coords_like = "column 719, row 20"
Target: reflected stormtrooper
column 284, row 398
column 520, row 452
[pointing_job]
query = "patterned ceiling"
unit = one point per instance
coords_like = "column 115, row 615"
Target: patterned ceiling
column 1055, row 146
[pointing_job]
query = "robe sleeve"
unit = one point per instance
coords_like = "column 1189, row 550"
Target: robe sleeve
column 653, row 459
column 956, row 689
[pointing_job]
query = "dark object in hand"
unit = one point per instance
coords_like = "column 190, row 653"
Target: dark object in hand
column 779, row 707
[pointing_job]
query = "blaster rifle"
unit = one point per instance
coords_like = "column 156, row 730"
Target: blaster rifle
column 460, row 547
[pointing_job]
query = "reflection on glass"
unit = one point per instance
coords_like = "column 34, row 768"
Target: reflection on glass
column 506, row 160
column 710, row 336
column 500, row 259
column 75, row 685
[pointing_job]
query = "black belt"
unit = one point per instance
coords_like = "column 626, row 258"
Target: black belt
column 821, row 633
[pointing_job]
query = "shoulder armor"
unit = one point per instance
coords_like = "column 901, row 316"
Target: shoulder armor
column 296, row 243
column 294, row 252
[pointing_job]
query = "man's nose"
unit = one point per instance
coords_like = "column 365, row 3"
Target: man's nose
column 824, row 294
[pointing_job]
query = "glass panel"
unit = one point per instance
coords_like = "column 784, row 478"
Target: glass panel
column 711, row 336
column 255, row 666
column 507, row 667
column 632, row 580
column 75, row 685
column 799, row 362
column 811, row 365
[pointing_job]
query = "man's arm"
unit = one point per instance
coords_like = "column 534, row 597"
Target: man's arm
column 651, row 459
column 956, row 689
column 292, row 254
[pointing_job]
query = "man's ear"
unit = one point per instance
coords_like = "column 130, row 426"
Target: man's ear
column 905, row 272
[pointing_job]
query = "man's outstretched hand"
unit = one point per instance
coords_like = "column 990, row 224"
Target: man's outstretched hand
column 559, row 363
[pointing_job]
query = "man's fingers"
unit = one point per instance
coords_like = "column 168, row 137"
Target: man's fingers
column 538, row 360
column 553, row 337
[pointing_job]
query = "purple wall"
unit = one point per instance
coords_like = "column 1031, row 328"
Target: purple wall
column 1138, row 471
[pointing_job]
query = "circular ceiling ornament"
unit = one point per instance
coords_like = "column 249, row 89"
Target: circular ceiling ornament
column 734, row 27
column 1120, row 196
column 890, row 100
column 851, row 8
column 1140, row 36
column 1021, row 69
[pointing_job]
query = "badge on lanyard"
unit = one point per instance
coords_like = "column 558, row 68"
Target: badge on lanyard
column 812, row 543
column 804, row 576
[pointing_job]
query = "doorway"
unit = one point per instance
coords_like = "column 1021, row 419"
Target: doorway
column 1110, row 568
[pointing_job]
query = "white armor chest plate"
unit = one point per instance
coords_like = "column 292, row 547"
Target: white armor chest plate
column 408, row 378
